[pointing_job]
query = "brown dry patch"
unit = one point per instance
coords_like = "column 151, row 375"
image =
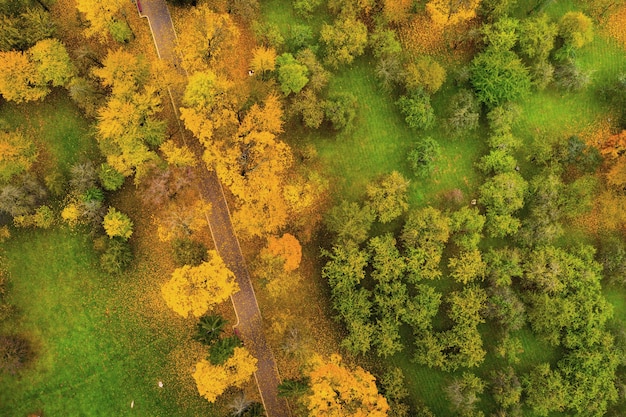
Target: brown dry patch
column 421, row 36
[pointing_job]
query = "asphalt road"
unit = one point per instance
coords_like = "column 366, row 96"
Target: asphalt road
column 249, row 324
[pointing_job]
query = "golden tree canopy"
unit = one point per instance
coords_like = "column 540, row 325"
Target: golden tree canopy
column 197, row 289
column 101, row 14
column 212, row 380
column 336, row 391
column 52, row 62
column 450, row 12
column 288, row 248
column 19, row 79
column 207, row 36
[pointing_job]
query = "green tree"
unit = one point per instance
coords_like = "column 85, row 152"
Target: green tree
column 384, row 43
column 387, row 196
column 422, row 157
column 221, row 350
column 501, row 36
column 545, row 391
column 117, row 256
column 349, row 221
column 110, row 178
column 499, row 77
column 498, row 161
column 417, row 110
column 467, row 224
column 343, row 41
column 467, row 267
column 340, row 110
column 292, row 75
column 537, row 35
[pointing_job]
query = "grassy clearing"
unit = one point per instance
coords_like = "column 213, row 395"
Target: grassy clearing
column 57, row 126
column 98, row 348
column 380, row 140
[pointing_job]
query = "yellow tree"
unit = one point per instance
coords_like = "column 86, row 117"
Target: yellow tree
column 209, row 105
column 263, row 60
column 123, row 72
column 52, row 62
column 17, row 154
column 180, row 156
column 253, row 164
column 117, row 224
column 19, row 79
column 197, row 289
column 101, row 15
column 127, row 130
column 337, row 391
column 450, row 12
column 213, row 380
column 207, row 36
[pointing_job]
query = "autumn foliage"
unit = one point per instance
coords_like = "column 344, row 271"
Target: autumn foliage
column 213, row 380
column 197, row 289
column 288, row 248
column 337, row 391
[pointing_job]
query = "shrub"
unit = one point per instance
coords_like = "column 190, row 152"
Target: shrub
column 417, row 111
column 117, row 256
column 340, row 110
column 423, row 156
column 110, row 178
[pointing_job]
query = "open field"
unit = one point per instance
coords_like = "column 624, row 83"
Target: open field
column 98, row 347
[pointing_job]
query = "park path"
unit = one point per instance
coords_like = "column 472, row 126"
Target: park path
column 249, row 323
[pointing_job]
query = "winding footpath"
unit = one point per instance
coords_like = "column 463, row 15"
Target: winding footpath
column 249, row 321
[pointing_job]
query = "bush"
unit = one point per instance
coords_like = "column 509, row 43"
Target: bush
column 189, row 252
column 117, row 256
column 223, row 349
column 110, row 178
column 423, row 156
column 417, row 111
column 340, row 110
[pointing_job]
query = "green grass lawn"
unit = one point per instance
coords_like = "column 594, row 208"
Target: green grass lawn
column 58, row 128
column 101, row 341
column 380, row 140
column 98, row 345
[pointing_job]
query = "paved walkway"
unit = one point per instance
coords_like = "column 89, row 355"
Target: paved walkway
column 248, row 314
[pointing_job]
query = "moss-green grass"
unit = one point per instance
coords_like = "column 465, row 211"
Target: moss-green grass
column 97, row 348
column 101, row 341
column 379, row 141
column 61, row 133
